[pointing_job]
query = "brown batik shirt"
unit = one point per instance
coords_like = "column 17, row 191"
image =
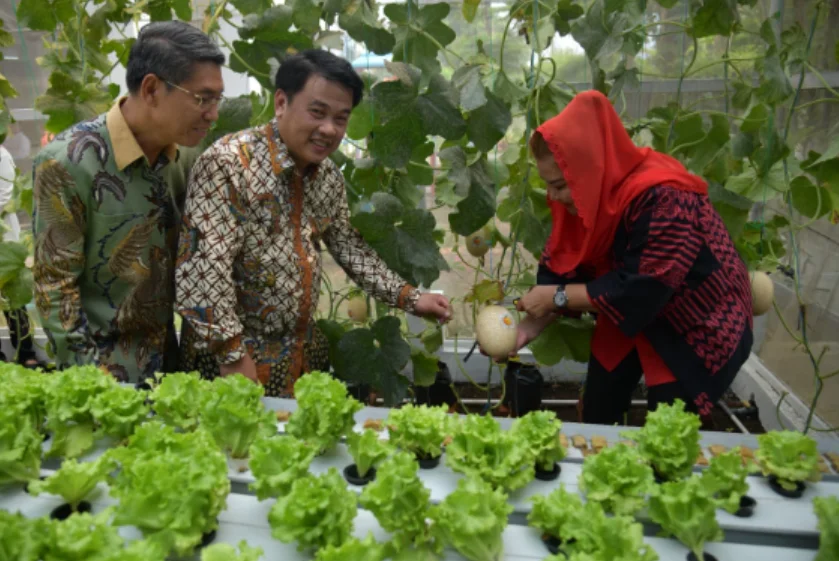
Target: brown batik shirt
column 249, row 268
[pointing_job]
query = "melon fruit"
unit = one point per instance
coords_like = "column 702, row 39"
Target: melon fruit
column 496, row 330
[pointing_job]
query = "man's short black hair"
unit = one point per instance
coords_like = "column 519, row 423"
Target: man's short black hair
column 295, row 71
column 169, row 49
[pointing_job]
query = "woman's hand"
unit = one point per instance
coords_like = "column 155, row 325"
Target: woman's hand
column 538, row 302
column 527, row 331
column 435, row 305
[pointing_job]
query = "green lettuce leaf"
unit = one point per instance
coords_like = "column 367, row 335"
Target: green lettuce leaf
column 482, row 450
column 367, row 450
column 119, row 409
column 669, row 440
column 233, row 413
column 74, row 481
column 471, row 520
column 82, row 537
column 555, row 514
column 540, row 431
column 617, row 478
column 324, row 410
column 827, row 511
column 419, row 429
column 178, row 398
column 20, row 448
column 725, row 480
column 685, row 510
column 353, row 549
column 226, row 552
column 21, row 539
column 276, row 463
column 790, row 456
column 318, row 512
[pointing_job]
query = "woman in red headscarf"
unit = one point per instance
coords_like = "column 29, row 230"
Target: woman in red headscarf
column 636, row 240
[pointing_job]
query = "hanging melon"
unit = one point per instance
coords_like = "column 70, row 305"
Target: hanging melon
column 763, row 292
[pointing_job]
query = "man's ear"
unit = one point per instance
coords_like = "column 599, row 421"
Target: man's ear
column 150, row 89
column 281, row 103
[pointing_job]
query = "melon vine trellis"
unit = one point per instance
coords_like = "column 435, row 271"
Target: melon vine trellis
column 462, row 111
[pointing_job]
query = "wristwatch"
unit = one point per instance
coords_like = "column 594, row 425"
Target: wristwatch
column 560, row 298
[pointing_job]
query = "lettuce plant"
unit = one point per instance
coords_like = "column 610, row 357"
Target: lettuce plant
column 119, row 409
column 276, row 463
column 400, row 502
column 792, row 457
column 827, row 511
column 21, row 539
column 170, row 485
column 233, row 413
column 556, row 514
column 482, row 450
column 725, row 480
column 324, row 410
column 367, row 450
column 618, row 479
column 69, row 400
column 608, row 538
column 23, row 391
column 472, row 519
column 540, row 431
column 420, row 429
column 178, row 398
column 686, row 510
column 353, row 549
column 318, row 512
column 226, row 552
column 82, row 536
column 74, row 481
column 20, row 448
column 669, row 440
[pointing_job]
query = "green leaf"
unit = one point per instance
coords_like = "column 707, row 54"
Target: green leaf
column 361, row 121
column 18, row 291
column 755, row 118
column 488, row 124
column 758, row 188
column 470, row 9
column 438, row 107
column 247, row 7
column 6, row 88
column 408, row 248
column 360, row 20
column 418, row 33
column 742, row 95
column 44, row 15
column 563, row 339
column 506, row 89
column 432, row 337
column 774, row 85
column 831, row 152
column 12, row 260
column 183, row 9
column 566, row 12
column 376, row 356
column 836, row 51
column 391, row 99
column 486, row 291
column 233, row 115
column 306, row 16
column 479, row 205
column 808, row 199
column 394, row 142
column 424, row 366
column 622, row 78
column 714, row 17
column 421, row 173
column 467, row 80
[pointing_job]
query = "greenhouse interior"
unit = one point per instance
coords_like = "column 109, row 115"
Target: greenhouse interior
column 543, row 279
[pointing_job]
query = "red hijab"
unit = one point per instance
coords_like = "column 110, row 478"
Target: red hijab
column 605, row 171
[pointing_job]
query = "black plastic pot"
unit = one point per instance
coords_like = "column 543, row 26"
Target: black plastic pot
column 438, row 393
column 64, row 511
column 794, row 494
column 549, row 475
column 351, row 475
column 660, row 478
column 747, row 507
column 554, row 544
column 524, row 388
column 207, row 538
column 707, row 556
column 46, row 436
column 427, row 462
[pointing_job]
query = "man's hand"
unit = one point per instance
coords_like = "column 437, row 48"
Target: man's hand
column 244, row 366
column 539, row 302
column 435, row 305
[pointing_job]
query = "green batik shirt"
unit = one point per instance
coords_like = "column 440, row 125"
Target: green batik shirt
column 105, row 240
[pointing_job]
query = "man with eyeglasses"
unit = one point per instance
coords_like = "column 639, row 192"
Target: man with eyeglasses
column 108, row 200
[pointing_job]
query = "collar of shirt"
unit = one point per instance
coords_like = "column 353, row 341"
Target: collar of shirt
column 282, row 158
column 126, row 149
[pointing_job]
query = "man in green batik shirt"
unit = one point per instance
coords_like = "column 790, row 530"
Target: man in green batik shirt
column 108, row 193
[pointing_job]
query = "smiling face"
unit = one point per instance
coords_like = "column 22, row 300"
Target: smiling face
column 558, row 189
column 178, row 118
column 312, row 124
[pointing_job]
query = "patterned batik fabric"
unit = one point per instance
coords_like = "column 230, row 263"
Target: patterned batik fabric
column 105, row 226
column 249, row 263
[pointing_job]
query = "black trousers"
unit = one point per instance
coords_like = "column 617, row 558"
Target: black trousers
column 608, row 395
column 21, row 336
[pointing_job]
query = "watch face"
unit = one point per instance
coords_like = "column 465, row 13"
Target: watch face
column 560, row 298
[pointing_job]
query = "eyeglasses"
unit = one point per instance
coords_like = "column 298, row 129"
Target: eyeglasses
column 201, row 102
